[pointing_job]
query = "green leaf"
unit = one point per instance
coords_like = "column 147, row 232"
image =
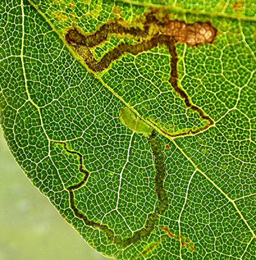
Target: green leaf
column 137, row 120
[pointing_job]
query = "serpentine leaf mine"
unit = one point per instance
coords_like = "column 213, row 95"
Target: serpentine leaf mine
column 160, row 208
column 136, row 119
column 154, row 31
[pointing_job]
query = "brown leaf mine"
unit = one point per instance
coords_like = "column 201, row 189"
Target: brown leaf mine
column 191, row 34
column 150, row 31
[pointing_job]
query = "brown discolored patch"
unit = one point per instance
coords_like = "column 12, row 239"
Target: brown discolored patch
column 191, row 34
column 239, row 6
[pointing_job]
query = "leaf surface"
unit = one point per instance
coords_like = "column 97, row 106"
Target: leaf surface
column 137, row 120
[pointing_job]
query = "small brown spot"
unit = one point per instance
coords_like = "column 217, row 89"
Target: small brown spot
column 117, row 10
column 167, row 147
column 71, row 6
column 184, row 243
column 60, row 16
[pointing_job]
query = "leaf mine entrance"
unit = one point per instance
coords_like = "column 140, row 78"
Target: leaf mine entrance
column 134, row 123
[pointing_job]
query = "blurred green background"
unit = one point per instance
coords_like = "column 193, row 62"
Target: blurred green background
column 30, row 228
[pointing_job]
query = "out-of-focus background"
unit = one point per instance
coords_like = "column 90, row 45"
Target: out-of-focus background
column 30, row 227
